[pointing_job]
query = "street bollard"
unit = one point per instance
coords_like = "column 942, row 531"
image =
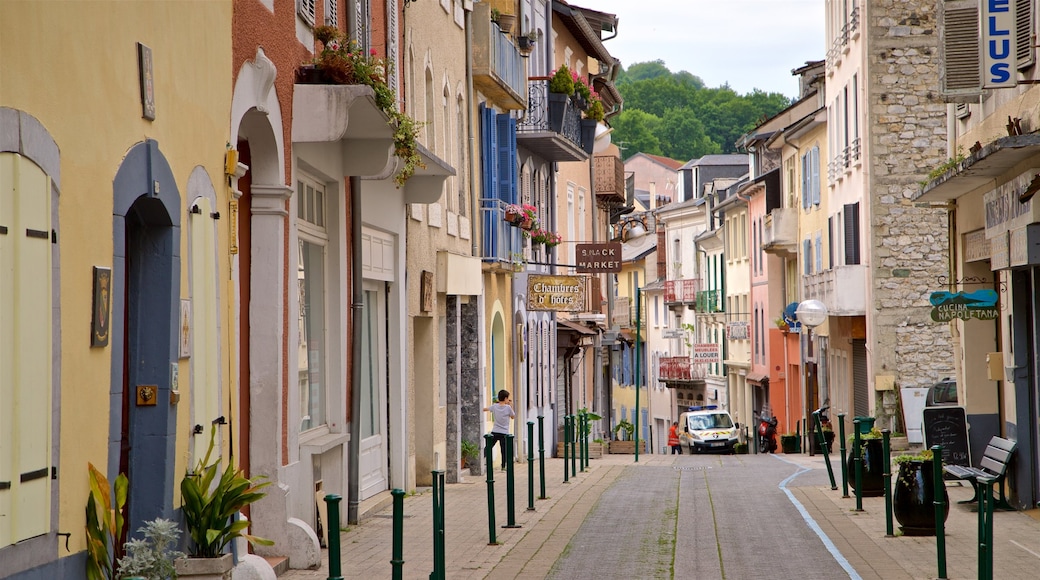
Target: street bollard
column 573, row 438
column 818, row 428
column 985, row 527
column 940, row 510
column 438, row 526
column 886, row 476
column 530, row 466
column 844, row 457
column 583, row 453
column 397, row 550
column 857, row 460
column 510, row 500
column 332, row 505
column 541, row 456
column 566, row 448
column 489, row 457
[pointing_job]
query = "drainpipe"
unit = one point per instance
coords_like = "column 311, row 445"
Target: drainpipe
column 357, row 307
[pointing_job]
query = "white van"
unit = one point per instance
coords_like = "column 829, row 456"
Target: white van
column 707, row 429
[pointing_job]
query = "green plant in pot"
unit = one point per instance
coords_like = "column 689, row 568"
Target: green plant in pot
column 872, row 455
column 913, row 496
column 104, row 523
column 627, row 427
column 470, row 452
column 211, row 499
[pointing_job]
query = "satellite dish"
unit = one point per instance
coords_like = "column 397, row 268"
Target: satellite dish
column 791, row 316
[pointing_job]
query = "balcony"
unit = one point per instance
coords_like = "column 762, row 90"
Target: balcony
column 780, row 232
column 609, row 180
column 681, row 292
column 550, row 139
column 842, row 289
column 498, row 69
column 501, row 243
column 708, row 302
column 679, row 370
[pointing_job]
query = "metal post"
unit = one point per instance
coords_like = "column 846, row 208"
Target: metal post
column 566, row 448
column 397, row 550
column 438, row 525
column 985, row 527
column 510, row 500
column 844, row 466
column 857, row 459
column 332, row 504
column 940, row 509
column 818, row 427
column 639, row 318
column 583, row 452
column 530, row 466
column 541, row 456
column 572, row 439
column 886, row 475
column 489, row 458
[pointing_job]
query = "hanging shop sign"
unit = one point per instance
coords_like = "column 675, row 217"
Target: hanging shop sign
column 598, row 258
column 977, row 305
column 557, row 293
column 737, row 330
column 999, row 33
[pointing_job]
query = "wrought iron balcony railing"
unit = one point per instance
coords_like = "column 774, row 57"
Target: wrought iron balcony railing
column 708, row 301
column 551, row 127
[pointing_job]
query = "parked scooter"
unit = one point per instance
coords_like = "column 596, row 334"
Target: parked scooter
column 767, row 434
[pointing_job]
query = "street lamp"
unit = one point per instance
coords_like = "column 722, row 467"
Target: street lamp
column 811, row 313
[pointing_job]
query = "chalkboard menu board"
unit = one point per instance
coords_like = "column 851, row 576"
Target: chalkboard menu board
column 947, row 426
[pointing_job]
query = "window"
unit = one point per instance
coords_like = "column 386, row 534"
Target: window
column 305, row 8
column 26, row 363
column 311, row 277
column 332, row 12
column 852, row 247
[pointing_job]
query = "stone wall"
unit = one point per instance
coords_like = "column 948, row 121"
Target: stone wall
column 909, row 244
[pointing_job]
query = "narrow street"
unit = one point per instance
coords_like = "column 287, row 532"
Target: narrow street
column 705, row 517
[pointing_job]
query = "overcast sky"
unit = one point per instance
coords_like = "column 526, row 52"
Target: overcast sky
column 748, row 43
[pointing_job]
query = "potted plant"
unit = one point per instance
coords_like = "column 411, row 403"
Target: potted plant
column 873, row 464
column 530, row 221
column 582, row 93
column 561, row 87
column 210, row 501
column 552, row 239
column 470, row 454
column 525, row 42
column 781, row 324
column 151, row 556
column 791, row 443
column 513, row 214
column 104, row 523
column 538, row 235
column 914, row 494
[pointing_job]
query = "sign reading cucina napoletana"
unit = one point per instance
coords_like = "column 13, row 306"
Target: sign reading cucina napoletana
column 560, row 293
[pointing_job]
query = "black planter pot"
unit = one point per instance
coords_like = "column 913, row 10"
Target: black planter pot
column 309, row 74
column 791, row 443
column 588, row 134
column 913, row 497
column 873, row 468
column 558, row 103
column 829, row 436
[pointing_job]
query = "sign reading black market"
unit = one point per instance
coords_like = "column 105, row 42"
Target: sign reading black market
column 598, row 258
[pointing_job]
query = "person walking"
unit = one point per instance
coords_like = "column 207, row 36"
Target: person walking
column 673, row 438
column 502, row 413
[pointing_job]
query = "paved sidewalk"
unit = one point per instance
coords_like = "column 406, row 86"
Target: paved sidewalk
column 531, row 550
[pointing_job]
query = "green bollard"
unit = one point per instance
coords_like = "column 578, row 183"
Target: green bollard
column 818, row 428
column 887, row 477
column 844, row 466
column 510, row 500
column 530, row 466
column 582, row 450
column 573, row 438
column 438, row 526
column 332, row 503
column 489, row 457
column 940, row 509
column 541, row 456
column 566, row 447
column 397, row 550
column 857, row 460
column 986, row 507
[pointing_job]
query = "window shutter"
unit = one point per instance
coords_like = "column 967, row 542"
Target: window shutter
column 805, row 181
column 332, row 12
column 960, row 57
column 852, row 254
column 830, row 242
column 392, row 33
column 505, row 150
column 1024, row 30
column 819, row 252
column 305, row 8
column 814, row 156
column 806, row 257
column 487, row 159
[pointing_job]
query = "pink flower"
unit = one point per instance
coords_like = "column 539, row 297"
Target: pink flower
column 333, row 45
column 373, row 52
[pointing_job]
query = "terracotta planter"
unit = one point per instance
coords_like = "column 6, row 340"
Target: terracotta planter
column 513, row 218
column 873, row 468
column 506, row 22
column 204, row 568
column 914, row 496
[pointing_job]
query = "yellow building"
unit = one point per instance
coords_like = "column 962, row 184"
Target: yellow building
column 113, row 132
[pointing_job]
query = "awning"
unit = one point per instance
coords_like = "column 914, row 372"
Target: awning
column 567, row 326
column 983, row 168
column 757, row 378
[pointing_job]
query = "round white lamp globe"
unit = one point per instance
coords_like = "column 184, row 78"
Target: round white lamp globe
column 811, row 313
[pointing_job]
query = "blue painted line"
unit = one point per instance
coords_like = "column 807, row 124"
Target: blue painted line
column 827, row 543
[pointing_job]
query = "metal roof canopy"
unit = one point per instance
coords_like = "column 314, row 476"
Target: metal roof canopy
column 1006, row 157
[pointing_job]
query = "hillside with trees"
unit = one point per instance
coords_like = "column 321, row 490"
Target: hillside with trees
column 675, row 115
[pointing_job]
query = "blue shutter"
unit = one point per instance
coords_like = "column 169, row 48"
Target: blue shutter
column 492, row 219
column 815, row 176
column 819, row 252
column 805, row 181
column 807, row 257
column 505, row 151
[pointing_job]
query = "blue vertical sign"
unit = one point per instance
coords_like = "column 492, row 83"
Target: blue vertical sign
column 999, row 67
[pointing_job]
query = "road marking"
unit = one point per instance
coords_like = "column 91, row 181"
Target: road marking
column 1024, row 548
column 827, row 543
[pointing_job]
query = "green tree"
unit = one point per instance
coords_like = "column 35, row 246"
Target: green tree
column 639, row 129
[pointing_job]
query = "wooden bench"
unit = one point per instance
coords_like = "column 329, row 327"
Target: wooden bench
column 993, row 465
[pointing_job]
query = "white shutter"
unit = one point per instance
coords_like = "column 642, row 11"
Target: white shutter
column 960, row 74
column 391, row 49
column 1024, row 33
column 332, row 12
column 305, row 8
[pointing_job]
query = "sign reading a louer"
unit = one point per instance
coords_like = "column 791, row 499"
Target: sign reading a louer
column 559, row 293
column 598, row 258
column 706, row 353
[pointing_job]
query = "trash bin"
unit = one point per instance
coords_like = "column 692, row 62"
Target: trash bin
column 865, row 424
